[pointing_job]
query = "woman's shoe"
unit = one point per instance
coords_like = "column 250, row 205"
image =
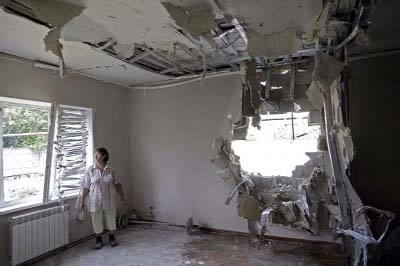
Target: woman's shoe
column 99, row 243
column 112, row 241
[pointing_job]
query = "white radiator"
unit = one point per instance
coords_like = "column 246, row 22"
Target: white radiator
column 37, row 233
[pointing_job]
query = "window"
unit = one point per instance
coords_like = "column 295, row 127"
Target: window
column 44, row 150
column 71, row 150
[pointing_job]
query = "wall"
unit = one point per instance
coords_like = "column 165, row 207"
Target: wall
column 110, row 103
column 172, row 132
column 374, row 109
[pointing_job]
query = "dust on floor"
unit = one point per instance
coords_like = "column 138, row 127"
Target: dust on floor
column 171, row 246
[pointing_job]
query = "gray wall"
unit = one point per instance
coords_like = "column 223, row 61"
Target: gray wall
column 172, row 132
column 111, row 130
column 374, row 92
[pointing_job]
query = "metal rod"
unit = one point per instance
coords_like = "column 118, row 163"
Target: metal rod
column 337, row 172
column 293, row 137
column 267, row 82
column 293, row 69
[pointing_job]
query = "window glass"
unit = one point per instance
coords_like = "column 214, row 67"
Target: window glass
column 24, row 151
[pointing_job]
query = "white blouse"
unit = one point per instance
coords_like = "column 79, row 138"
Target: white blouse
column 102, row 193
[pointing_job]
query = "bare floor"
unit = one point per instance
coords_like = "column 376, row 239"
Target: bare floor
column 167, row 246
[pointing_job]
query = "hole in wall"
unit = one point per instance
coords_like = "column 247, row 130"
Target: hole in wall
column 279, row 146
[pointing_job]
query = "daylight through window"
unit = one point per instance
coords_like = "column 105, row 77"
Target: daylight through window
column 29, row 142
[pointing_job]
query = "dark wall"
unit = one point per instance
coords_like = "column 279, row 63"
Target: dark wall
column 374, row 99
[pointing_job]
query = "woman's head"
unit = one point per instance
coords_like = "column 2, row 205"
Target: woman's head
column 101, row 155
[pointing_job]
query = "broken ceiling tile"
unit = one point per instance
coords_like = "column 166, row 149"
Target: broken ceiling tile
column 327, row 68
column 273, row 45
column 85, row 29
column 197, row 20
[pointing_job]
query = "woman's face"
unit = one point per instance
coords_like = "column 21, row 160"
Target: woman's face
column 99, row 157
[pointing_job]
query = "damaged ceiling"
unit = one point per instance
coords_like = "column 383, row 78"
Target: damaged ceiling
column 141, row 42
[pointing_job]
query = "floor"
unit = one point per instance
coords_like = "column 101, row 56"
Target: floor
column 171, row 246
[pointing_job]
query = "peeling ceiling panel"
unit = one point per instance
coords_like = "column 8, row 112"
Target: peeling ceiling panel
column 146, row 22
column 14, row 33
column 80, row 58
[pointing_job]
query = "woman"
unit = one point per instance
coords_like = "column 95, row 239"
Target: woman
column 100, row 183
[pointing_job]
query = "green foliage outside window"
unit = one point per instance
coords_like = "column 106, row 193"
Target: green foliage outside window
column 21, row 119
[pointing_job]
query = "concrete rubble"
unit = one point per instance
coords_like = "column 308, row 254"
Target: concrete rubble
column 293, row 202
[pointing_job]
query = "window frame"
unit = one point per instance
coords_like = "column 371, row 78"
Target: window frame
column 50, row 156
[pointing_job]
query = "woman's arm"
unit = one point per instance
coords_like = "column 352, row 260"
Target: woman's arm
column 85, row 192
column 118, row 188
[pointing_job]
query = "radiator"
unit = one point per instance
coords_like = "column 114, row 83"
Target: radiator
column 37, row 233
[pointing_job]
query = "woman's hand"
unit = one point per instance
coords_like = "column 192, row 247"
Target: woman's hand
column 82, row 205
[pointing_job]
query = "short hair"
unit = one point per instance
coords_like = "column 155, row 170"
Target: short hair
column 103, row 151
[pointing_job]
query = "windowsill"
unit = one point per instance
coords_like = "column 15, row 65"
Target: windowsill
column 30, row 205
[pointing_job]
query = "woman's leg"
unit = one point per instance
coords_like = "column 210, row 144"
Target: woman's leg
column 98, row 227
column 110, row 217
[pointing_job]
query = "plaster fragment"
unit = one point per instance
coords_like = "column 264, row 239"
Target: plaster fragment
column 58, row 13
column 197, row 20
column 248, row 207
column 84, row 29
column 124, row 51
column 272, row 45
column 327, row 68
column 315, row 95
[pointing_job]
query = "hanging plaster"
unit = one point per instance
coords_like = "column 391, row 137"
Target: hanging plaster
column 85, row 29
column 275, row 28
column 345, row 150
column 327, row 68
column 315, row 95
column 251, row 101
column 342, row 133
column 270, row 16
column 272, row 45
column 254, row 82
column 197, row 20
column 58, row 13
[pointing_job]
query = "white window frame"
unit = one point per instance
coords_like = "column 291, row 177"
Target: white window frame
column 50, row 158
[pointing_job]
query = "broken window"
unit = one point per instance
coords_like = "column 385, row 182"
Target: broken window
column 71, row 150
column 43, row 153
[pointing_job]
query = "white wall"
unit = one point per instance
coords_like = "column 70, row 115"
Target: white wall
column 172, row 132
column 110, row 103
